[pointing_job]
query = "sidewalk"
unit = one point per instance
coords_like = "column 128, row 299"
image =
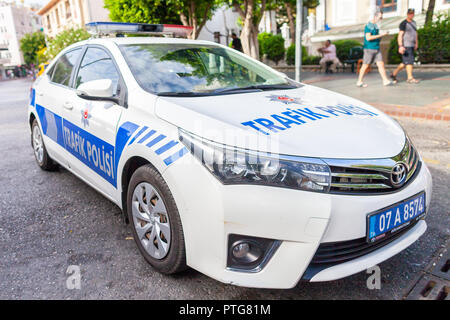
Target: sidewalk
column 430, row 99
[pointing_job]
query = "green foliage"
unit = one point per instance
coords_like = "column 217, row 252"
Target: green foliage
column 262, row 38
column 30, row 45
column 393, row 56
column 310, row 4
column 343, row 48
column 310, row 60
column 290, row 55
column 65, row 39
column 272, row 46
column 434, row 40
column 192, row 13
column 142, row 11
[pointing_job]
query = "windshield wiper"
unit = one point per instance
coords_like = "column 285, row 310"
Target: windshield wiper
column 182, row 94
column 262, row 87
column 253, row 88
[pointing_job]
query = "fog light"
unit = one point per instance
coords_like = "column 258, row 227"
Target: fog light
column 241, row 250
column 249, row 253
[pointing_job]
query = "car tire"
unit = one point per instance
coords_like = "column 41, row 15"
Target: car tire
column 40, row 151
column 156, row 225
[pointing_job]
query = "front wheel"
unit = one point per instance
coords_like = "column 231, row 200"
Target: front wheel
column 155, row 221
column 40, row 152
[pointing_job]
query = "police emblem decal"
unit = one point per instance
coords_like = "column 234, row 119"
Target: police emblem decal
column 285, row 99
column 85, row 114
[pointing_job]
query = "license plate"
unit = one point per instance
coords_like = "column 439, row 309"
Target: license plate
column 387, row 221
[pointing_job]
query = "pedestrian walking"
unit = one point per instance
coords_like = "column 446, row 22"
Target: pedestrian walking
column 408, row 42
column 329, row 56
column 236, row 43
column 372, row 52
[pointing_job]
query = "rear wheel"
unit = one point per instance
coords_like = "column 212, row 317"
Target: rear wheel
column 40, row 152
column 155, row 221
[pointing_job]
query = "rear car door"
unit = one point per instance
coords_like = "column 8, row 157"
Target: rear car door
column 90, row 126
column 51, row 91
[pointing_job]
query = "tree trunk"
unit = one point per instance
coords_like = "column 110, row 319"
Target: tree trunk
column 249, row 33
column 192, row 20
column 291, row 20
column 430, row 12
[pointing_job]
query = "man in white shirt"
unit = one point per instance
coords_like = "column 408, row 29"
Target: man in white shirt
column 329, row 55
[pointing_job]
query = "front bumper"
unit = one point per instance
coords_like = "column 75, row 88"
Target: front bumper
column 210, row 212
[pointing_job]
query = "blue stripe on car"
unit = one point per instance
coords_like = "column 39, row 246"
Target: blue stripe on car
column 175, row 157
column 148, row 135
column 156, row 140
column 166, row 147
column 137, row 135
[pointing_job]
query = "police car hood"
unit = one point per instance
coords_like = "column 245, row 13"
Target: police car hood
column 307, row 121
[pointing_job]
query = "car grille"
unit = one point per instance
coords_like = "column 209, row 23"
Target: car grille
column 372, row 176
column 339, row 252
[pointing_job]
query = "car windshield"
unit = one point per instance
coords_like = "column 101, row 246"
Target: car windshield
column 190, row 69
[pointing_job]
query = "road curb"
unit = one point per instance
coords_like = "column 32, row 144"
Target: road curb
column 438, row 112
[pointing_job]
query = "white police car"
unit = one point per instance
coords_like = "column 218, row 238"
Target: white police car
column 225, row 165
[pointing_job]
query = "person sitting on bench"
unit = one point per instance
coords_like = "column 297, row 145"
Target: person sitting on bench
column 329, row 56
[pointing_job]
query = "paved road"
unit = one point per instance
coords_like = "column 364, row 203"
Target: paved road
column 49, row 221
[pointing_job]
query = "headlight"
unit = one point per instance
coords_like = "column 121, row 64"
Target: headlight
column 238, row 166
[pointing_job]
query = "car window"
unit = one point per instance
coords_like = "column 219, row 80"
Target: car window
column 96, row 65
column 64, row 66
column 173, row 68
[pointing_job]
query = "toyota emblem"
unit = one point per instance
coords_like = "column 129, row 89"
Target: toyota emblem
column 398, row 175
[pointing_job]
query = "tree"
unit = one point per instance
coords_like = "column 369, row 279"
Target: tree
column 142, row 11
column 30, row 44
column 288, row 8
column 430, row 12
column 65, row 39
column 195, row 13
column 192, row 13
column 251, row 13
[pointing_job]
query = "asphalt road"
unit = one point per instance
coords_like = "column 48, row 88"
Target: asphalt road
column 50, row 220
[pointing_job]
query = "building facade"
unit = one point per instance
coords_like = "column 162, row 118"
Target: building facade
column 60, row 15
column 15, row 22
column 223, row 23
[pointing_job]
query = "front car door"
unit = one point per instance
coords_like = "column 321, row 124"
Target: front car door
column 90, row 126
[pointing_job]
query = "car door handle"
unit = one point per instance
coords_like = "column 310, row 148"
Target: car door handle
column 68, row 106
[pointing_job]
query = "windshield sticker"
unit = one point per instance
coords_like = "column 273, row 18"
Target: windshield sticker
column 294, row 117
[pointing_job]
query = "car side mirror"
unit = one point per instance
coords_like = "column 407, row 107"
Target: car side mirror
column 98, row 90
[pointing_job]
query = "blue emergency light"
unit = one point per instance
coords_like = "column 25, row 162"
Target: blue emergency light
column 121, row 28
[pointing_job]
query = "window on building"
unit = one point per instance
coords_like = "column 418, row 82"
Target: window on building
column 64, row 66
column 387, row 5
column 67, row 7
column 96, row 65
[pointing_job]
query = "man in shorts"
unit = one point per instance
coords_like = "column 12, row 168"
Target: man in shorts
column 408, row 42
column 372, row 52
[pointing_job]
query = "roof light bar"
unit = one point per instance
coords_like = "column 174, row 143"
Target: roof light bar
column 118, row 28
